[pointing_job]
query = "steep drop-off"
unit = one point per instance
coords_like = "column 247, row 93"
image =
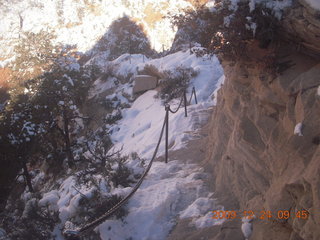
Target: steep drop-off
column 257, row 160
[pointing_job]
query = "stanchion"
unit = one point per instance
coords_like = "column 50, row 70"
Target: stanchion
column 185, row 103
column 167, row 107
column 195, row 95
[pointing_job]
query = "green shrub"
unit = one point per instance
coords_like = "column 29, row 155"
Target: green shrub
column 95, row 206
column 29, row 222
column 226, row 32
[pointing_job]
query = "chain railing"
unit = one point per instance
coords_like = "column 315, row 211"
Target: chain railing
column 76, row 234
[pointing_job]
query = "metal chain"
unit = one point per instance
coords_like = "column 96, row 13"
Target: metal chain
column 102, row 218
column 125, row 199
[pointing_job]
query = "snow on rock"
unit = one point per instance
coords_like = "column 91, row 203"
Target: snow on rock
column 211, row 5
column 201, row 212
column 247, row 227
column 199, row 207
column 298, row 130
column 65, row 200
column 219, row 85
column 50, row 199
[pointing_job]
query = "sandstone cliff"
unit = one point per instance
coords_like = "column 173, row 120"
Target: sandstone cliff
column 257, row 161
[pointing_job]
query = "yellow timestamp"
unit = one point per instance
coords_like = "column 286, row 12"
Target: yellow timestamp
column 281, row 214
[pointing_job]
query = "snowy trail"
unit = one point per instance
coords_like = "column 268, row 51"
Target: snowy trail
column 170, row 191
column 177, row 189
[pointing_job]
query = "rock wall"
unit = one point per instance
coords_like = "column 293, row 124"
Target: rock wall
column 258, row 162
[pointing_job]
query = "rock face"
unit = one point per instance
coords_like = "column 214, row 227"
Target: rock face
column 301, row 25
column 144, row 83
column 258, row 162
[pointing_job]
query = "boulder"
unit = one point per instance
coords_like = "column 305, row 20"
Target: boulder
column 144, row 83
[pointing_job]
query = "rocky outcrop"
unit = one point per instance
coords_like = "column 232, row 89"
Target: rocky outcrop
column 301, row 25
column 144, row 83
column 259, row 161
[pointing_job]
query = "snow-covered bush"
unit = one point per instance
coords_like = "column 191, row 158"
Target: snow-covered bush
column 109, row 72
column 35, row 53
column 90, row 208
column 151, row 70
column 99, row 160
column 175, row 82
column 31, row 221
column 113, row 118
column 226, row 30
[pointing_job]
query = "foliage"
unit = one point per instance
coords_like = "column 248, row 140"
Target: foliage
column 35, row 53
column 176, row 82
column 151, row 70
column 97, row 204
column 38, row 122
column 124, row 36
column 226, row 32
column 111, row 166
column 29, row 220
column 113, row 118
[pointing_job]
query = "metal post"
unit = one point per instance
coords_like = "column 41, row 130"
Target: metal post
column 185, row 104
column 167, row 107
column 195, row 95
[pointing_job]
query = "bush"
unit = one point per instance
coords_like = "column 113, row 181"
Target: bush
column 30, row 222
column 176, row 82
column 95, row 206
column 225, row 32
column 35, row 53
column 151, row 70
column 113, row 118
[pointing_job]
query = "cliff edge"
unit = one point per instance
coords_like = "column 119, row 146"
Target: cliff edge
column 265, row 132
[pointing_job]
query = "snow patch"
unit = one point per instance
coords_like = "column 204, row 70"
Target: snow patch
column 167, row 190
column 50, row 199
column 199, row 207
column 298, row 130
column 252, row 5
column 211, row 5
column 246, row 227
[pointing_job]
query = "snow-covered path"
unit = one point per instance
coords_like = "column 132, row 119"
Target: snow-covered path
column 170, row 191
column 177, row 189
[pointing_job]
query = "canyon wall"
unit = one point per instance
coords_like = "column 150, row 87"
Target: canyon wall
column 258, row 160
